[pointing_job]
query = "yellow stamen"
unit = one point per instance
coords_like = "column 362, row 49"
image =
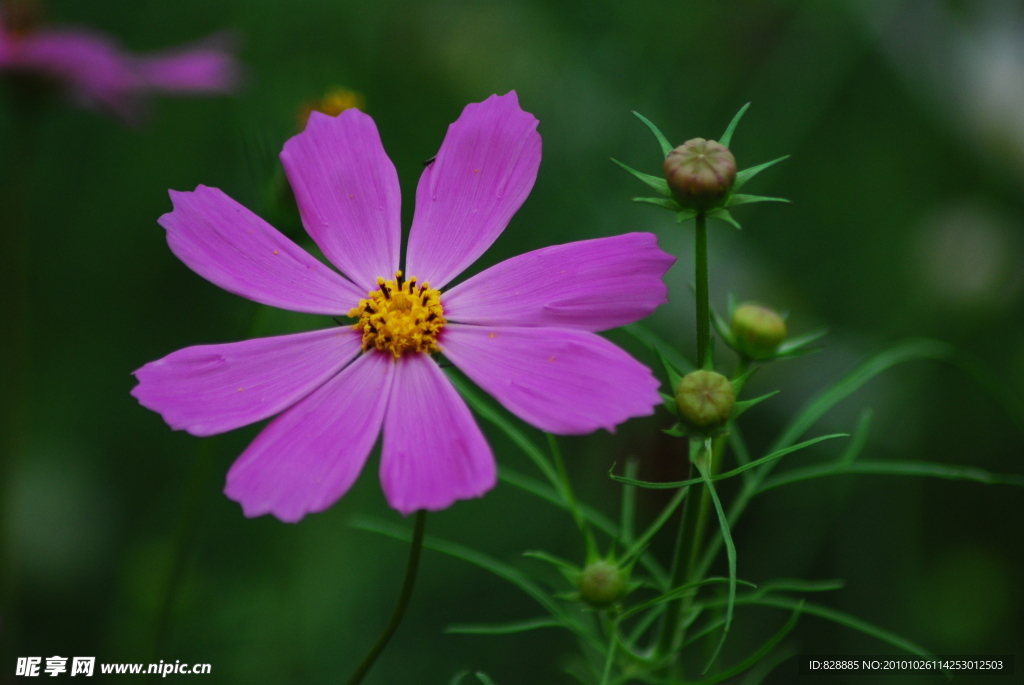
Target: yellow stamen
column 400, row 317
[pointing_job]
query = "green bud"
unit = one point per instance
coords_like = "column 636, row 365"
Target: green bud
column 700, row 173
column 705, row 399
column 758, row 330
column 602, row 583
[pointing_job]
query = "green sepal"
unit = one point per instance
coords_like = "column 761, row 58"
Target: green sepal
column 670, row 403
column 727, row 136
column 674, row 375
column 685, row 215
column 723, row 214
column 741, row 407
column 738, row 383
column 656, row 182
column 797, row 346
column 677, row 431
column 741, row 199
column 666, row 147
column 723, row 327
column 664, row 202
column 743, row 176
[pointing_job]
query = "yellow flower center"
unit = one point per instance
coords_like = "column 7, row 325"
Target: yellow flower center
column 400, row 317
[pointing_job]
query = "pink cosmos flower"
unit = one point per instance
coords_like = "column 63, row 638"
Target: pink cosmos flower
column 100, row 74
column 523, row 330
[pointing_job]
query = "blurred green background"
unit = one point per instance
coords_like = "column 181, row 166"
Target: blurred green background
column 905, row 121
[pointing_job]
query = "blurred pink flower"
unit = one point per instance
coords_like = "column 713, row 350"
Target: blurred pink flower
column 523, row 330
column 98, row 73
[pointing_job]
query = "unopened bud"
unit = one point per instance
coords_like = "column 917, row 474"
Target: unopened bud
column 758, row 330
column 602, row 583
column 700, row 173
column 705, row 399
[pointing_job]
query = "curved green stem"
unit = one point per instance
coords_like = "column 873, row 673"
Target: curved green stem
column 403, row 601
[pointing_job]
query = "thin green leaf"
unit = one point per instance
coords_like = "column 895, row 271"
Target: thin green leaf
column 663, row 517
column 860, row 437
column 793, row 344
column 503, row 571
column 724, row 215
column 596, row 518
column 666, row 147
column 741, row 199
column 628, row 516
column 744, row 405
column 504, row 628
column 484, row 678
column 797, row 585
column 730, row 551
column 738, row 444
column 678, row 592
column 728, row 474
column 457, row 679
column 488, row 412
column 644, row 624
column 731, row 304
column 545, row 492
column 743, row 176
column 731, row 128
column 909, row 350
column 761, row 652
column 845, row 620
column 892, row 468
column 663, row 202
column 558, row 562
column 656, row 343
column 656, row 182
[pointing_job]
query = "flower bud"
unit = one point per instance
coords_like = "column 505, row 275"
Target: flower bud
column 705, row 399
column 700, row 173
column 602, row 583
column 758, row 330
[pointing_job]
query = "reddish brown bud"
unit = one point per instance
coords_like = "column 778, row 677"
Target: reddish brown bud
column 700, row 173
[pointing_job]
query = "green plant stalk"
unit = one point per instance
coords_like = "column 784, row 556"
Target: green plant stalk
column 700, row 244
column 403, row 601
column 694, row 505
column 570, row 499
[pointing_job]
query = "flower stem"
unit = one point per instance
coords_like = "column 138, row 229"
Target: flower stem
column 403, row 601
column 700, row 244
column 691, row 528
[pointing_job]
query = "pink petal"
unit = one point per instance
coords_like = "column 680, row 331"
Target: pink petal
column 95, row 68
column 210, row 389
column 557, row 379
column 202, row 68
column 592, row 284
column 309, row 456
column 434, row 453
column 482, row 174
column 348, row 195
column 229, row 246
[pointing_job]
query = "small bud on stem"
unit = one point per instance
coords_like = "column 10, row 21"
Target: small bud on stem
column 700, row 173
column 705, row 399
column 602, row 583
column 758, row 330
